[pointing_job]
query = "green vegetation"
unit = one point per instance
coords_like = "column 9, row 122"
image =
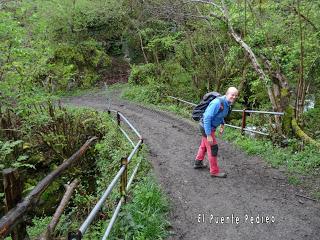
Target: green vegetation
column 305, row 161
column 145, row 216
column 189, row 57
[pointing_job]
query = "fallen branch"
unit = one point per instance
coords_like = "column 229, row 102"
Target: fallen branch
column 47, row 234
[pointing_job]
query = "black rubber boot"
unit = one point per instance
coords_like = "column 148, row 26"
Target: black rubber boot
column 198, row 164
column 219, row 175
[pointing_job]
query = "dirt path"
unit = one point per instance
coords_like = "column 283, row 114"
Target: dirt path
column 252, row 189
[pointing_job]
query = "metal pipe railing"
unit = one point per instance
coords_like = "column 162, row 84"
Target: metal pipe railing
column 127, row 121
column 181, row 100
column 244, row 112
column 113, row 219
column 122, row 130
column 120, row 175
column 233, row 110
column 126, row 135
column 130, row 125
column 116, row 212
column 135, row 150
column 247, row 130
column 255, row 111
column 132, row 176
column 100, row 203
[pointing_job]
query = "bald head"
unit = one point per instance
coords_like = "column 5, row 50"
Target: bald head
column 232, row 94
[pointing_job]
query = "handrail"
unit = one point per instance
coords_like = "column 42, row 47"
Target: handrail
column 113, row 218
column 130, row 125
column 15, row 215
column 122, row 130
column 255, row 111
column 126, row 135
column 184, row 101
column 122, row 173
column 246, row 129
column 98, row 206
column 233, row 110
column 135, row 150
column 244, row 112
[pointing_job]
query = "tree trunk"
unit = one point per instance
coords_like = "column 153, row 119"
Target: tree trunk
column 142, row 48
column 301, row 87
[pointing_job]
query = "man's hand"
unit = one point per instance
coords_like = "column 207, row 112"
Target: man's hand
column 210, row 140
column 221, row 129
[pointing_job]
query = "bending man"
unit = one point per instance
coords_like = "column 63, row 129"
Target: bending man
column 213, row 117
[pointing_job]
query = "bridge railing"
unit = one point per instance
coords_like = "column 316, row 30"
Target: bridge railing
column 13, row 222
column 121, row 175
column 244, row 116
column 15, row 217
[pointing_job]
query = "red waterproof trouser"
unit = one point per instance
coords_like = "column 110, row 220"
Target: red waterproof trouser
column 212, row 157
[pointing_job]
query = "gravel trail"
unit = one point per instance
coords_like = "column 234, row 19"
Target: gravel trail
column 254, row 202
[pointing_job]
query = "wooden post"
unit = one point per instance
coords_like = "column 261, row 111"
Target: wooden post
column 118, row 118
column 243, row 125
column 75, row 236
column 13, row 195
column 124, row 178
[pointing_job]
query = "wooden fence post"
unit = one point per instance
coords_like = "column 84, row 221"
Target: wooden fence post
column 13, row 194
column 118, row 119
column 243, row 124
column 124, row 178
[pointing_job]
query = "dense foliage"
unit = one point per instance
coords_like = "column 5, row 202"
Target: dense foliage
column 58, row 45
column 187, row 50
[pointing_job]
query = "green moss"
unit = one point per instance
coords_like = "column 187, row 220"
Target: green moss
column 284, row 92
column 286, row 120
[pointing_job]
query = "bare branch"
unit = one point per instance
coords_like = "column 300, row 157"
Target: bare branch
column 55, row 219
column 304, row 18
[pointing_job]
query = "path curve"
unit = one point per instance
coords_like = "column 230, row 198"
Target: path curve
column 252, row 189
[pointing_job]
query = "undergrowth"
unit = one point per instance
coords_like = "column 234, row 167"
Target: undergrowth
column 56, row 133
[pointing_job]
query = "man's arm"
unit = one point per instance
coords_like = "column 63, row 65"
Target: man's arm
column 208, row 115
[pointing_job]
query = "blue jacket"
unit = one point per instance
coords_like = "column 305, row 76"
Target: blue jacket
column 212, row 117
